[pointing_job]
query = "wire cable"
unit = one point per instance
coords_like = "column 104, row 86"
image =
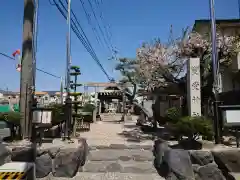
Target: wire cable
column 83, row 38
column 90, row 23
column 104, row 37
column 107, row 27
column 45, row 72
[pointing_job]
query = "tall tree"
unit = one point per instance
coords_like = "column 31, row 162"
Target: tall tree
column 129, row 72
column 163, row 64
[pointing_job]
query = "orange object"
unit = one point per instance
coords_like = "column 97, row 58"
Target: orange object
column 17, row 52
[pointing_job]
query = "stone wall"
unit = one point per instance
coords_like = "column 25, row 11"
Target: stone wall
column 60, row 161
column 180, row 164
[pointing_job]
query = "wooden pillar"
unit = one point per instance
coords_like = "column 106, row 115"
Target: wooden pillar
column 27, row 70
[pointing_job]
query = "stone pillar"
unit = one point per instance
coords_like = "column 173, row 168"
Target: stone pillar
column 94, row 115
column 194, row 87
column 100, row 106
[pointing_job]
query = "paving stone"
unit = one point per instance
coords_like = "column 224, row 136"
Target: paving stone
column 145, row 147
column 102, row 166
column 109, row 176
column 118, row 146
column 138, row 167
column 119, row 166
column 111, row 155
column 118, row 176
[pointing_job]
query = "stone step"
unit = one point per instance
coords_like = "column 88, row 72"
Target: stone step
column 119, row 166
column 120, row 154
column 108, row 176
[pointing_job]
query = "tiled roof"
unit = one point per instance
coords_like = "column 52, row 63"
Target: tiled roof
column 8, row 92
column 40, row 93
column 52, row 93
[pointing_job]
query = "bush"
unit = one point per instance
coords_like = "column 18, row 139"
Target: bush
column 173, row 115
column 193, row 127
column 57, row 113
column 88, row 107
column 12, row 117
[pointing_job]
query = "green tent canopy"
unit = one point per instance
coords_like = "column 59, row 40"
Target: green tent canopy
column 6, row 108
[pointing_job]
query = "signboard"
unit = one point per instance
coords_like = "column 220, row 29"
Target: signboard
column 42, row 117
column 230, row 115
column 230, row 118
column 194, row 87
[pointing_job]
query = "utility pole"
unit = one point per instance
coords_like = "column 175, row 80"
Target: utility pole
column 61, row 90
column 26, row 81
column 68, row 64
column 215, row 65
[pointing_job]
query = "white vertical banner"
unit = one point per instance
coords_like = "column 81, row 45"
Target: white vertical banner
column 194, row 87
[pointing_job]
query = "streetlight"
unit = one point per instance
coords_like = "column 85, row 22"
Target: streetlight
column 215, row 64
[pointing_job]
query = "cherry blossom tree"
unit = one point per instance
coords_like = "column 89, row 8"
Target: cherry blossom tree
column 164, row 63
column 161, row 64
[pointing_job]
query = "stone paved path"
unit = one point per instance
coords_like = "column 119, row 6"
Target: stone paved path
column 118, row 151
column 115, row 133
column 109, row 176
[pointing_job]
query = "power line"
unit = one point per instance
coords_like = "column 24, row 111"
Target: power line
column 83, row 38
column 45, row 72
column 104, row 37
column 90, row 23
column 107, row 28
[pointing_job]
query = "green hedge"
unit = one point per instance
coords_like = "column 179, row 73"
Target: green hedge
column 88, row 107
column 57, row 114
column 193, row 127
column 12, row 117
column 173, row 115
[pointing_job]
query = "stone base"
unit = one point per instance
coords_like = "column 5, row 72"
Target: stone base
column 198, row 164
column 59, row 159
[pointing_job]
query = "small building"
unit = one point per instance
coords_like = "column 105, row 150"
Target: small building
column 229, row 75
column 54, row 97
column 109, row 95
column 48, row 97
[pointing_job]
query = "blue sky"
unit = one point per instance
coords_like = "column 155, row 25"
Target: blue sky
column 132, row 22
